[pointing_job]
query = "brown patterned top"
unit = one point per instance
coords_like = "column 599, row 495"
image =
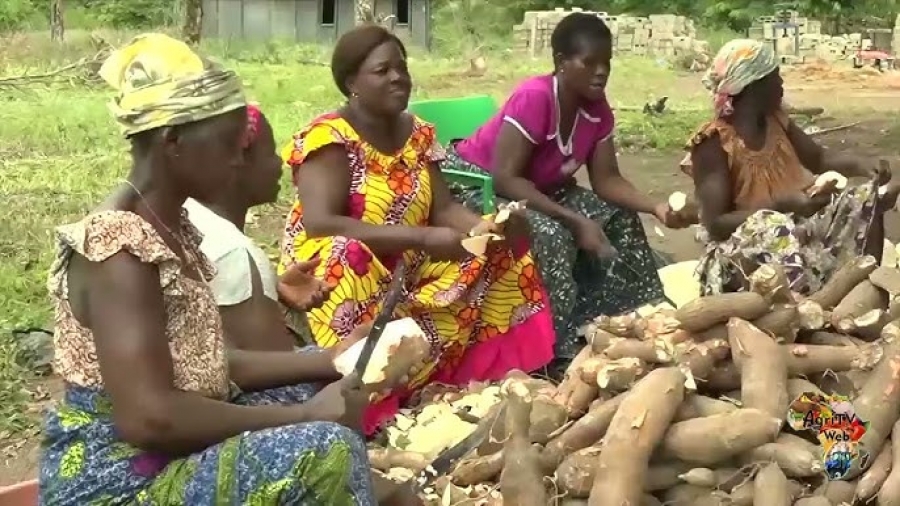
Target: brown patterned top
column 193, row 325
column 758, row 177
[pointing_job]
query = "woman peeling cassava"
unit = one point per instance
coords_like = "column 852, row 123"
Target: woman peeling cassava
column 156, row 409
column 551, row 126
column 752, row 169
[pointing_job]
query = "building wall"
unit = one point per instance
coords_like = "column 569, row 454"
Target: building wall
column 301, row 20
column 264, row 20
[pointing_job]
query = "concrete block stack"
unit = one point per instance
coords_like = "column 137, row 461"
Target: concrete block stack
column 656, row 35
column 895, row 38
column 805, row 40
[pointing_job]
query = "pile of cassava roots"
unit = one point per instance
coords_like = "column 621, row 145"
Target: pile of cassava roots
column 683, row 406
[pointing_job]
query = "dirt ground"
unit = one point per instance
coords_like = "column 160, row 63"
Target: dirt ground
column 875, row 136
column 866, row 97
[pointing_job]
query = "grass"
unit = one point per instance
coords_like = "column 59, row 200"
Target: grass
column 60, row 151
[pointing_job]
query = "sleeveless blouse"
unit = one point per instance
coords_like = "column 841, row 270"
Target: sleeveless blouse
column 757, row 176
column 193, row 326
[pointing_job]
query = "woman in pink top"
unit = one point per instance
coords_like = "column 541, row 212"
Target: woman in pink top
column 549, row 127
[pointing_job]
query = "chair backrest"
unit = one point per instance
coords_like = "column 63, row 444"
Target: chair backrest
column 455, row 118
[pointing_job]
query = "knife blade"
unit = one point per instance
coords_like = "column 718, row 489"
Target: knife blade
column 394, row 293
column 444, row 462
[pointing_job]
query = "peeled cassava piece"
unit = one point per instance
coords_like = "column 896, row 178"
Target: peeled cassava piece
column 401, row 348
column 680, row 205
column 478, row 244
column 480, row 236
column 770, row 281
column 828, row 182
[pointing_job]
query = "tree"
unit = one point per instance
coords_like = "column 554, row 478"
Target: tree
column 57, row 25
column 193, row 21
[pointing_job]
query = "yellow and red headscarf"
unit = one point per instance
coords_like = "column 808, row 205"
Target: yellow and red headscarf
column 161, row 81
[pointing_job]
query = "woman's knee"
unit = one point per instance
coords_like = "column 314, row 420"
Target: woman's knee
column 542, row 226
column 318, row 436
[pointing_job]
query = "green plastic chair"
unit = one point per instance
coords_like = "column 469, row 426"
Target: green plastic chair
column 458, row 118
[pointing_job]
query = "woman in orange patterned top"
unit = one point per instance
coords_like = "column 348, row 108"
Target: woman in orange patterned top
column 752, row 167
column 370, row 193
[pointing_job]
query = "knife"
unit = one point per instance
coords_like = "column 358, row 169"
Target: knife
column 444, row 462
column 394, row 293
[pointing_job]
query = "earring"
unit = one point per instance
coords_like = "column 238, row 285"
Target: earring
column 353, row 94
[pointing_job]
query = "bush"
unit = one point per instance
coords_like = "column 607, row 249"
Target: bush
column 19, row 14
column 133, row 13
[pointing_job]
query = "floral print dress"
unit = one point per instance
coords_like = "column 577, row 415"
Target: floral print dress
column 483, row 316
column 85, row 462
column 810, row 249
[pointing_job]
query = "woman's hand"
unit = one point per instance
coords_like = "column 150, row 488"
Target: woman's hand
column 589, row 237
column 515, row 227
column 802, row 204
column 881, row 172
column 341, row 402
column 443, row 243
column 299, row 289
column 670, row 218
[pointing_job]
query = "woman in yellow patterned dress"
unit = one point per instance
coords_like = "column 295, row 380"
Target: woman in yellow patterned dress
column 370, row 193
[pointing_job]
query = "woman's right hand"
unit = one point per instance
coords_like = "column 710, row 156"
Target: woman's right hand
column 443, row 243
column 342, row 401
column 801, row 204
column 589, row 237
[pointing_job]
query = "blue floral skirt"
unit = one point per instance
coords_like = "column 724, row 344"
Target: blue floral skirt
column 85, row 463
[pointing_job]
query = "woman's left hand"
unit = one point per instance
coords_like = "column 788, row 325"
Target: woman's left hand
column 515, row 227
column 881, row 172
column 300, row 290
column 670, row 218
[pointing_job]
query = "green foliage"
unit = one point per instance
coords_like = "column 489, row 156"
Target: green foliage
column 16, row 14
column 35, row 14
column 132, row 13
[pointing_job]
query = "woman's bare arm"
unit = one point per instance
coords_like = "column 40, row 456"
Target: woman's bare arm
column 445, row 210
column 256, row 323
column 323, row 183
column 712, row 187
column 609, row 184
column 127, row 317
column 510, row 181
column 820, row 160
